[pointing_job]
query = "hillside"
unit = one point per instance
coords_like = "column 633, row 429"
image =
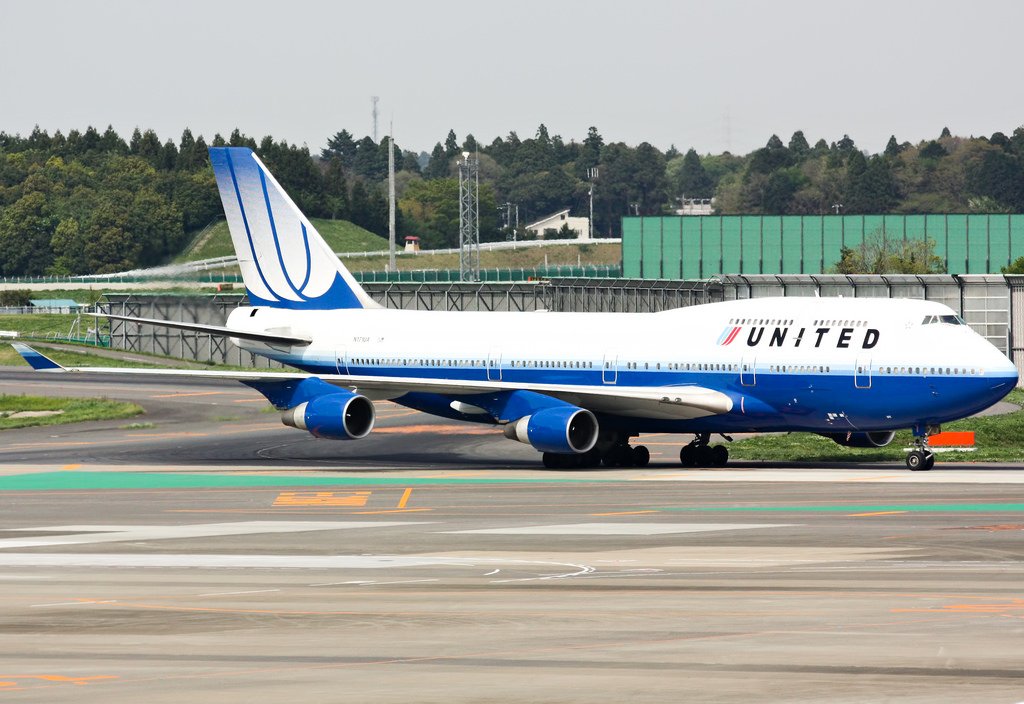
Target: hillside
column 341, row 235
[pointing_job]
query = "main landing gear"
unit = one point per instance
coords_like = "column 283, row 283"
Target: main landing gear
column 618, row 454
column 699, row 453
column 921, row 459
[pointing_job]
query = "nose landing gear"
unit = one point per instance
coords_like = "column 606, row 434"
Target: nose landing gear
column 921, row 459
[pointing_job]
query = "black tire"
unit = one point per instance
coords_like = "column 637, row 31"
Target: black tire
column 916, row 461
column 705, row 456
column 641, row 456
column 930, row 461
column 719, row 456
column 687, row 456
column 553, row 460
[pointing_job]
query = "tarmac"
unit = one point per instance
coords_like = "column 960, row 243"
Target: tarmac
column 218, row 556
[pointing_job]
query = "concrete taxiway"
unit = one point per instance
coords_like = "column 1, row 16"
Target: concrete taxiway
column 220, row 557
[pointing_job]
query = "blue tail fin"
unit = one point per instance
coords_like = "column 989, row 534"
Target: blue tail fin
column 285, row 262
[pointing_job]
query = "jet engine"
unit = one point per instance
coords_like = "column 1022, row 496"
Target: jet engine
column 562, row 429
column 336, row 416
column 878, row 438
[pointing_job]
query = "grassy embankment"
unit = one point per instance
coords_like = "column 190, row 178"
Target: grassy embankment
column 72, row 410
column 997, row 439
column 343, row 236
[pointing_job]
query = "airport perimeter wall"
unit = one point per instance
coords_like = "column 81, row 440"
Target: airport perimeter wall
column 702, row 246
column 992, row 305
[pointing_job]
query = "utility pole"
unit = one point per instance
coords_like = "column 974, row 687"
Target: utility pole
column 592, row 175
column 373, row 111
column 391, row 198
column 469, row 218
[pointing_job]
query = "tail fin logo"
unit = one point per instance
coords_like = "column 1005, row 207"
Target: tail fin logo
column 284, row 261
column 728, row 335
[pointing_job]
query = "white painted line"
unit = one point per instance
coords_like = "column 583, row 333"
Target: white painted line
column 251, row 591
column 492, row 573
column 88, row 535
column 619, row 528
column 403, row 581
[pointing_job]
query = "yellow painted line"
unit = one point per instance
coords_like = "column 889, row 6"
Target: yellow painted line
column 876, row 513
column 356, row 499
column 71, row 466
column 251, row 400
column 191, row 393
column 392, row 510
column 623, row 513
column 405, row 498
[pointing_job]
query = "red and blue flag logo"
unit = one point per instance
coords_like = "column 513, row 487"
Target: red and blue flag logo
column 728, row 335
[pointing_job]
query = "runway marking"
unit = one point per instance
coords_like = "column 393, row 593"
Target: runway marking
column 91, row 534
column 193, row 393
column 250, row 591
column 405, row 498
column 391, row 510
column 875, row 513
column 6, row 683
column 624, row 513
column 906, row 508
column 1011, row 607
column 321, row 498
column 70, row 467
column 617, row 528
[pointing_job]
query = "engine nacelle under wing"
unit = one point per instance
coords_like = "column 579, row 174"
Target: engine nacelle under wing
column 878, row 438
column 336, row 416
column 562, row 429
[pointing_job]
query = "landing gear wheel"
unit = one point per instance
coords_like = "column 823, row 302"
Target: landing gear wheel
column 930, row 461
column 556, row 460
column 688, row 456
column 917, row 461
column 719, row 456
column 641, row 456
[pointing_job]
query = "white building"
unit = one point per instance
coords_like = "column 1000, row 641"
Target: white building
column 581, row 226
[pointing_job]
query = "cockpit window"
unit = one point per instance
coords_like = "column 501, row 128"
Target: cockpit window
column 947, row 319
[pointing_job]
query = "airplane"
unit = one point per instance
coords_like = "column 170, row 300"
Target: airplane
column 579, row 387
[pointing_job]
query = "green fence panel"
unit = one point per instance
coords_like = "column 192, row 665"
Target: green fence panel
column 853, row 231
column 833, row 238
column 895, row 226
column 998, row 242
column 711, row 246
column 671, row 248
column 731, row 252
column 651, row 268
column 750, row 231
column 632, row 247
column 977, row 236
column 771, row 234
column 793, row 245
column 956, row 229
column 936, row 230
column 813, row 240
column 692, row 246
column 873, row 226
column 913, row 226
column 1016, row 237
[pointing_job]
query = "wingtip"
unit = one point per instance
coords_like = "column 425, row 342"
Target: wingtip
column 38, row 361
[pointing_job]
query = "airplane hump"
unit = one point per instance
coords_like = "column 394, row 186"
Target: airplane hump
column 285, row 263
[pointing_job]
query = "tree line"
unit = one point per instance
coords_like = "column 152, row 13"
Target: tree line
column 92, row 202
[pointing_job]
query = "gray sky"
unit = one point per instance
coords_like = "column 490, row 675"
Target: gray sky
column 711, row 75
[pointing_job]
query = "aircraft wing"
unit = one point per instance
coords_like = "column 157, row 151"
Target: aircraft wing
column 268, row 337
column 667, row 402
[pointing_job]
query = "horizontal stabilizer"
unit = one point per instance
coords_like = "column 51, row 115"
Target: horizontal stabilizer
column 39, row 362
column 267, row 337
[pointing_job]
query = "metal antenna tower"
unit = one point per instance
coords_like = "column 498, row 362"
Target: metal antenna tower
column 391, row 198
column 373, row 111
column 469, row 218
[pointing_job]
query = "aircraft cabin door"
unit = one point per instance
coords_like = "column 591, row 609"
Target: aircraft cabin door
column 862, row 373
column 340, row 361
column 494, row 366
column 748, row 373
column 610, row 369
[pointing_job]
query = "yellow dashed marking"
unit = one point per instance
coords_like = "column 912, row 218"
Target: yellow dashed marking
column 355, row 499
